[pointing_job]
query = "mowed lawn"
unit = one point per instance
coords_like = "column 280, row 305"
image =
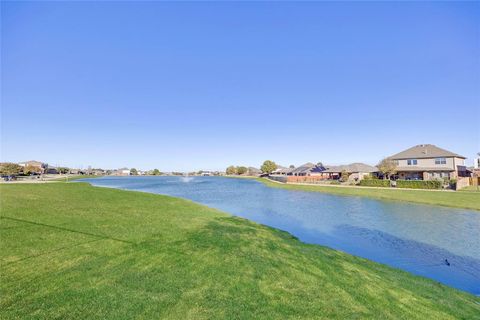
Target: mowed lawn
column 70, row 250
column 467, row 199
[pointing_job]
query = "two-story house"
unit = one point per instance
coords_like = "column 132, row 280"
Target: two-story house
column 36, row 164
column 427, row 162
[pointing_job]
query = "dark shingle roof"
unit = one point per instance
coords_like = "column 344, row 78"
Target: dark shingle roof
column 308, row 167
column 303, row 167
column 423, row 151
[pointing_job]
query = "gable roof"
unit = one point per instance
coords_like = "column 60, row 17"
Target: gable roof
column 304, row 167
column 308, row 167
column 284, row 170
column 32, row 163
column 254, row 170
column 423, row 151
column 353, row 167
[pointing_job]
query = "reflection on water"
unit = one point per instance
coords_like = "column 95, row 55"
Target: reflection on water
column 435, row 242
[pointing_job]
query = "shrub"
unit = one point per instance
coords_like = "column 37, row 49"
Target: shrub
column 374, row 183
column 344, row 176
column 452, row 183
column 419, row 184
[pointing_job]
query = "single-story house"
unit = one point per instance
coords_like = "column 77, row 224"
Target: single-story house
column 51, row 170
column 282, row 171
column 32, row 163
column 252, row 171
column 428, row 162
column 308, row 169
column 122, row 172
column 356, row 171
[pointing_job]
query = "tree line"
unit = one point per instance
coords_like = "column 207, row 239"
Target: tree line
column 267, row 167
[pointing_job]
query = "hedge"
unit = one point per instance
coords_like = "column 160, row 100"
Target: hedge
column 419, row 184
column 374, row 183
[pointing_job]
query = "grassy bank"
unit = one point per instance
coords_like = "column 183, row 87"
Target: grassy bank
column 466, row 200
column 76, row 177
column 470, row 189
column 76, row 251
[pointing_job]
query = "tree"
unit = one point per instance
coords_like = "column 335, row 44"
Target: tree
column 156, row 172
column 242, row 170
column 268, row 166
column 10, row 169
column 292, row 166
column 231, row 170
column 63, row 170
column 29, row 169
column 388, row 167
column 133, row 172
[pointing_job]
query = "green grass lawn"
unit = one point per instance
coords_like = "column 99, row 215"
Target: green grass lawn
column 470, row 189
column 466, row 200
column 80, row 252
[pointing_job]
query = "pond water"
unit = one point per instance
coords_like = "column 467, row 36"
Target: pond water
column 416, row 238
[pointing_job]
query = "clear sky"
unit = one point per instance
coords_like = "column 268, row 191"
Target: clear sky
column 184, row 86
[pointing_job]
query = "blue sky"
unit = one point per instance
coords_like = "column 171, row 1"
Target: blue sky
column 183, row 86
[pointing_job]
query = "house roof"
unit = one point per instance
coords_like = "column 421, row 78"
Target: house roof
column 423, row 151
column 32, row 163
column 254, row 170
column 350, row 168
column 308, row 167
column 304, row 167
column 284, row 170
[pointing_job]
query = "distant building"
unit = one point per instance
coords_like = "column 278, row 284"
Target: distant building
column 122, row 172
column 427, row 162
column 252, row 171
column 51, row 170
column 97, row 172
column 36, row 164
column 282, row 171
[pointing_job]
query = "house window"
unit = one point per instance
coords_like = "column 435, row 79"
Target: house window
column 412, row 162
column 440, row 161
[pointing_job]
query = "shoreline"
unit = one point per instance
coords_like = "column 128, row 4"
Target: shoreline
column 365, row 262
column 471, row 200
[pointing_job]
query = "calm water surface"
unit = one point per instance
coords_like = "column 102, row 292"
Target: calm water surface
column 412, row 237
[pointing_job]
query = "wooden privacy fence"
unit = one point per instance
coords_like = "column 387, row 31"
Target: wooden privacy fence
column 474, row 181
column 462, row 182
